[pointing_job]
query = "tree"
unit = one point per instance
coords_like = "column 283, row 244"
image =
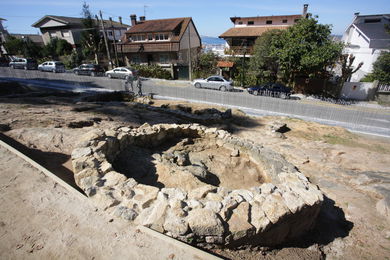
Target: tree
column 381, row 68
column 91, row 41
column 346, row 61
column 56, row 48
column 24, row 47
column 205, row 65
column 305, row 49
column 262, row 64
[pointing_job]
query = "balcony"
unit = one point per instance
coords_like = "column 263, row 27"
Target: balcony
column 239, row 50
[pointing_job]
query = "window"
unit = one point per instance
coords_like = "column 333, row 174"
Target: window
column 296, row 20
column 150, row 37
column 136, row 59
column 372, row 20
column 65, row 34
column 251, row 22
column 268, row 22
column 239, row 22
column 53, row 34
column 164, row 58
column 284, row 21
column 109, row 33
column 161, row 37
column 138, row 37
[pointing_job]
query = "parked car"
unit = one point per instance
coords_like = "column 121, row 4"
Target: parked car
column 22, row 63
column 122, row 73
column 214, row 82
column 89, row 69
column 53, row 66
column 271, row 89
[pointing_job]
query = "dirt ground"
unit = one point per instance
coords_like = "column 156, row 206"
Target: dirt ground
column 223, row 170
column 352, row 170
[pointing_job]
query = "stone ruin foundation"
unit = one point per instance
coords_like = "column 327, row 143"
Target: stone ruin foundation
column 200, row 185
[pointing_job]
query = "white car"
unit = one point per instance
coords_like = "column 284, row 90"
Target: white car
column 214, row 82
column 53, row 66
column 121, row 73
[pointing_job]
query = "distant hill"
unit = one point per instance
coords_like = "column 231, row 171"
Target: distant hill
column 212, row 40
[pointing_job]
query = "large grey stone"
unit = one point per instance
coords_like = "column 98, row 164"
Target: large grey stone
column 239, row 225
column 144, row 195
column 201, row 192
column 81, row 152
column 205, row 222
column 154, row 216
column 258, row 217
column 175, row 225
column 275, row 208
column 125, row 213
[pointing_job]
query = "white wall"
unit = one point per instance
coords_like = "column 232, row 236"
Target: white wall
column 359, row 47
column 358, row 90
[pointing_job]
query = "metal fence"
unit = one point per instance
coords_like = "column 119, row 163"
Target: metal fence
column 383, row 88
column 352, row 117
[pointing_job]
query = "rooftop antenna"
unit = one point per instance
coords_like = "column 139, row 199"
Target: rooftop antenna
column 145, row 6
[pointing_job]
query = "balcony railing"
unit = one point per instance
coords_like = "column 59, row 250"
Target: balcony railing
column 239, row 50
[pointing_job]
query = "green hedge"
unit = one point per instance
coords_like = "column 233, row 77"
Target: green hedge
column 152, row 71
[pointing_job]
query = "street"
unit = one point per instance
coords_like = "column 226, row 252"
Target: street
column 355, row 118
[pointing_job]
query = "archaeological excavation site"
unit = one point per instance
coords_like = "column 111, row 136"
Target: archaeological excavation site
column 200, row 185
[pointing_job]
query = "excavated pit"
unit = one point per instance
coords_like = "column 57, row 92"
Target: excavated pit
column 189, row 163
column 196, row 184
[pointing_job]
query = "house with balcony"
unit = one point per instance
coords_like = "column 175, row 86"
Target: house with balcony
column 169, row 43
column 366, row 38
column 70, row 29
column 242, row 36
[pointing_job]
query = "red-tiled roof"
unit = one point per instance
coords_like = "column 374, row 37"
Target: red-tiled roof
column 249, row 31
column 160, row 25
column 225, row 64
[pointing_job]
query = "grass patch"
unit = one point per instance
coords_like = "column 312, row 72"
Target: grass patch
column 334, row 139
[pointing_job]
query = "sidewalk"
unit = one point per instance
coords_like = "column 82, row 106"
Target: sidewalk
column 41, row 219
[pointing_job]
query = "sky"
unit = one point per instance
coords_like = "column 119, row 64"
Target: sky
column 211, row 17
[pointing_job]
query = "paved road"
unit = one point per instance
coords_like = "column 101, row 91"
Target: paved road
column 359, row 119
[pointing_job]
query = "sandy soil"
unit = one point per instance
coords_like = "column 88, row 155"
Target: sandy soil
column 347, row 167
column 39, row 219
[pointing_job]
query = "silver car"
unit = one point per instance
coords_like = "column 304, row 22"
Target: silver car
column 214, row 82
column 53, row 66
column 121, row 73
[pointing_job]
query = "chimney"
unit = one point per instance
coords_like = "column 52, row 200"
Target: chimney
column 142, row 18
column 133, row 19
column 304, row 13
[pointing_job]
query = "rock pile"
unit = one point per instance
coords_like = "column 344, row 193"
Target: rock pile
column 282, row 208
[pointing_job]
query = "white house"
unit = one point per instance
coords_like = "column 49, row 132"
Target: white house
column 366, row 38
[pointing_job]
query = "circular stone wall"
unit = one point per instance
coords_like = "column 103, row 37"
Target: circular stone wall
column 196, row 184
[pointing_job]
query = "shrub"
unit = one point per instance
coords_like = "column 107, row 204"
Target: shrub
column 152, row 71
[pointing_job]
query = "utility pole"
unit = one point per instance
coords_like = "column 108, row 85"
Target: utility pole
column 105, row 39
column 113, row 35
column 243, row 44
column 123, row 59
column 189, row 54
